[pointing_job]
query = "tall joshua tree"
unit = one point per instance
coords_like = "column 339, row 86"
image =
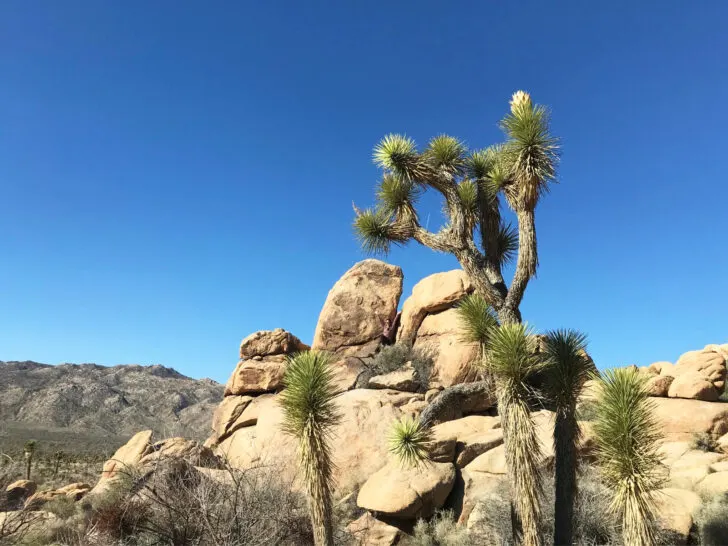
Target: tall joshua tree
column 627, row 438
column 568, row 369
column 310, row 415
column 29, row 451
column 509, row 354
column 471, row 184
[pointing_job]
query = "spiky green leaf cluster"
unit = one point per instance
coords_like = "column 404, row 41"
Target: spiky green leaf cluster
column 513, row 359
column 409, row 441
column 532, row 151
column 308, row 397
column 477, row 319
column 396, row 196
column 446, row 153
column 377, row 231
column 506, row 243
column 627, row 438
column 468, row 194
column 568, row 366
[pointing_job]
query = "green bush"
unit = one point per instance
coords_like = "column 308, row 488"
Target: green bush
column 712, row 522
column 441, row 530
column 62, row 507
column 704, row 442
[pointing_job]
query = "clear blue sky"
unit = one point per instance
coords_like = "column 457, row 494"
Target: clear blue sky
column 177, row 175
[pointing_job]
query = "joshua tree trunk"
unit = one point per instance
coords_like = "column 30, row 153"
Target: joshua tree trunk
column 565, row 465
column 28, row 465
column 319, row 493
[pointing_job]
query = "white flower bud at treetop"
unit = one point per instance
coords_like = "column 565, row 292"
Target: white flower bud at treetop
column 520, row 98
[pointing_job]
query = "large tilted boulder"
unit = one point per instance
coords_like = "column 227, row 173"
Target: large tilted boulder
column 407, row 492
column 440, row 335
column 353, row 316
column 369, row 531
column 432, row 294
column 693, row 385
column 263, row 362
column 17, row 492
column 697, row 375
column 235, row 412
column 73, row 491
column 710, row 363
column 125, row 459
column 676, row 509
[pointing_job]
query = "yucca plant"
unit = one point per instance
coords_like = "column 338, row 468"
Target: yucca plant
column 470, row 183
column 628, row 438
column 409, row 441
column 568, row 367
column 310, row 415
column 513, row 361
column 28, row 452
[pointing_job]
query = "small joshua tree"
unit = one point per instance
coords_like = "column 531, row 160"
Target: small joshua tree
column 310, row 415
column 29, row 451
column 627, row 438
column 471, row 184
column 568, row 369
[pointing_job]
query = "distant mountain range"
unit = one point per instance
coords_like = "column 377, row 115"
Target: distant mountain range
column 79, row 402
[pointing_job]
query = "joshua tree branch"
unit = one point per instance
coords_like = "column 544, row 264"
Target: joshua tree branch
column 527, row 258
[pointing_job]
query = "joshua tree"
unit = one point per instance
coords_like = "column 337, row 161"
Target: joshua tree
column 57, row 458
column 568, row 369
column 509, row 354
column 29, row 451
column 627, row 438
column 409, row 441
column 471, row 183
column 310, row 415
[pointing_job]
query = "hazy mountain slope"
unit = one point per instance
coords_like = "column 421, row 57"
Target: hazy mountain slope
column 99, row 401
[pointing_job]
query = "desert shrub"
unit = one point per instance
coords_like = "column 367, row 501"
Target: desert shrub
column 704, row 442
column 392, row 357
column 441, row 530
column 62, row 507
column 712, row 522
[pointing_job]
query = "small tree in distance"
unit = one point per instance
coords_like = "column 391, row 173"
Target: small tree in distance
column 29, row 451
column 471, row 184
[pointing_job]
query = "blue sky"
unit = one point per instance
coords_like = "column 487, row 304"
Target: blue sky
column 177, row 175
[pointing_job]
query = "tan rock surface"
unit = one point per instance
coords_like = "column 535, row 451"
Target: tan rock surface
column 257, row 376
column 352, row 318
column 369, row 531
column 432, row 295
column 707, row 362
column 659, row 385
column 675, row 509
column 693, row 385
column 398, row 380
column 681, row 419
column 454, row 361
column 270, row 342
column 407, row 493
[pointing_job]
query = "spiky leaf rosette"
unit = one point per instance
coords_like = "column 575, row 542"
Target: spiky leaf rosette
column 398, row 154
column 627, row 438
column 568, row 367
column 477, row 319
column 377, row 231
column 409, row 441
column 310, row 415
column 506, row 243
column 533, row 151
column 396, row 196
column 512, row 360
column 446, row 153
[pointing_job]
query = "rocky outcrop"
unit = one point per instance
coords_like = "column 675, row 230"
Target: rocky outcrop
column 693, row 385
column 369, row 531
column 353, row 316
column 181, row 448
column 400, row 380
column 17, row 493
column 263, row 362
column 681, row 419
column 72, row 491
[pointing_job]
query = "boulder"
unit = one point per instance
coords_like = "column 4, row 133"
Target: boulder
column 483, row 487
column 73, row 491
column 490, row 462
column 455, row 361
column 270, row 342
column 723, row 443
column 125, row 459
column 712, row 485
column 399, row 380
column 369, row 531
column 347, row 372
column 227, row 413
column 261, row 374
column 693, row 385
column 353, row 316
column 659, row 385
column 709, row 363
column 18, row 491
column 359, row 442
column 657, row 367
column 432, row 295
column 676, row 509
column 470, row 436
column 407, row 492
column 458, row 401
column 681, row 419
